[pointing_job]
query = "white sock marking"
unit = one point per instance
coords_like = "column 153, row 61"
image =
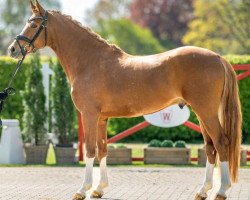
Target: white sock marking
column 208, row 182
column 225, row 178
column 87, row 184
column 104, row 176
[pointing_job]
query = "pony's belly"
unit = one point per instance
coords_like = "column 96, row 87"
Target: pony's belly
column 139, row 109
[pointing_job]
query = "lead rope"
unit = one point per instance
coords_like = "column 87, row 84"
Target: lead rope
column 10, row 90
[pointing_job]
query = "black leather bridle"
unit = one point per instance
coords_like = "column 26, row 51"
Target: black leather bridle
column 32, row 41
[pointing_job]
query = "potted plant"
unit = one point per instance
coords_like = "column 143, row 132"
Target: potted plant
column 166, row 152
column 34, row 118
column 63, row 117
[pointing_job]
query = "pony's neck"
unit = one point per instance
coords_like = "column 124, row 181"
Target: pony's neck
column 74, row 45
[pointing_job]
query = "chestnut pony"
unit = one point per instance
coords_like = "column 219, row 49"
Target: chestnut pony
column 107, row 82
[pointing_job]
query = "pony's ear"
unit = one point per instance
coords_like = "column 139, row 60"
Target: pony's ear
column 40, row 8
column 33, row 7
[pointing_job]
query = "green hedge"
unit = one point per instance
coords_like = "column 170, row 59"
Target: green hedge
column 244, row 88
column 14, row 108
column 35, row 113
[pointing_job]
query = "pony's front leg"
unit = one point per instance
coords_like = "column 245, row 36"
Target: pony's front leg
column 90, row 130
column 98, row 192
column 102, row 156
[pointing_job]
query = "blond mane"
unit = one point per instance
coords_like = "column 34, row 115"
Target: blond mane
column 87, row 29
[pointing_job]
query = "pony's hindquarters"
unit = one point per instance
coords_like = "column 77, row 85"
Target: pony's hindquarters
column 217, row 107
column 231, row 118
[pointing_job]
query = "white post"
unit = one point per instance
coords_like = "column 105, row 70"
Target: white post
column 11, row 145
column 46, row 72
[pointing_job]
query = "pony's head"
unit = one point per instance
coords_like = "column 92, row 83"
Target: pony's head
column 33, row 35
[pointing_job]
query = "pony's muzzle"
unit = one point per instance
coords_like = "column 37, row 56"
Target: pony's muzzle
column 11, row 50
column 14, row 51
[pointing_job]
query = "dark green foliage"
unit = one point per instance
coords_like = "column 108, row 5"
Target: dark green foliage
column 152, row 132
column 130, row 37
column 63, row 112
column 13, row 108
column 244, row 89
column 180, row 144
column 110, row 20
column 167, row 143
column 34, row 117
column 154, row 143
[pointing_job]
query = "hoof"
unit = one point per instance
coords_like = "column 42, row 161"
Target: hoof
column 79, row 197
column 220, row 197
column 198, row 197
column 96, row 194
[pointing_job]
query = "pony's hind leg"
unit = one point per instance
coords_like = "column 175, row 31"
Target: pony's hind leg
column 207, row 110
column 211, row 157
column 221, row 144
column 90, row 129
column 102, row 157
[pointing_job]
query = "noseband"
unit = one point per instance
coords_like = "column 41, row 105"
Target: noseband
column 32, row 41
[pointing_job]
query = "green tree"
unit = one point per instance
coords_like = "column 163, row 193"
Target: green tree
column 130, row 37
column 109, row 19
column 218, row 25
column 63, row 112
column 236, row 14
column 34, row 103
column 167, row 19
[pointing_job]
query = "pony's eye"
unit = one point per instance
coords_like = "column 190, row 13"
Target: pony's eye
column 33, row 25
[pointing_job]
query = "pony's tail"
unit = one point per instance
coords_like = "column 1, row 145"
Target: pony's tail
column 231, row 118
